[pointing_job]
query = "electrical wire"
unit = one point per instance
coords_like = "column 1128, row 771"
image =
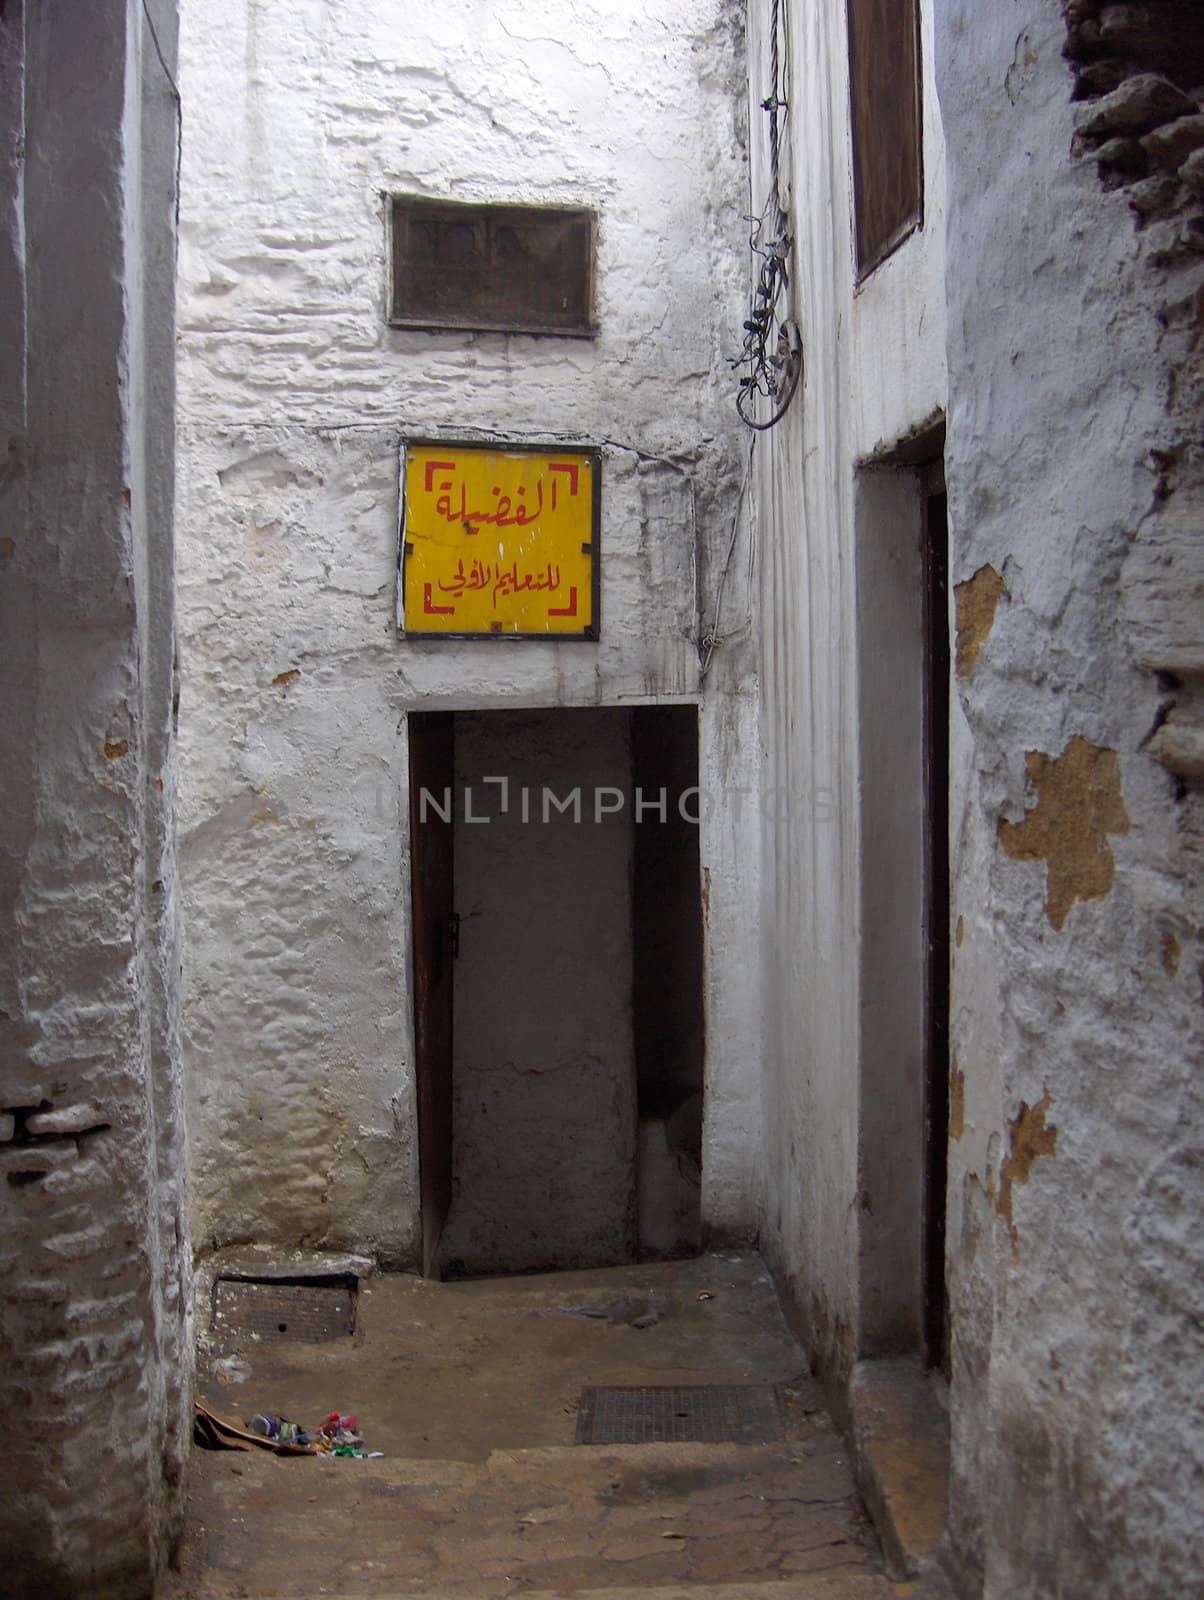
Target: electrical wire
column 712, row 637
column 772, row 348
column 175, row 94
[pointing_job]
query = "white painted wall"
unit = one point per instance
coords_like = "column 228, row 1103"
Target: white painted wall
column 94, row 1276
column 1077, row 1413
column 874, row 371
column 1073, row 1258
column 294, row 397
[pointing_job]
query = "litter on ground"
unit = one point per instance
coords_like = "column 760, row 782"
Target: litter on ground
column 337, row 1435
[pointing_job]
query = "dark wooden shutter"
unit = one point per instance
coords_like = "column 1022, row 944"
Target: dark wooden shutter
column 518, row 269
column 884, row 75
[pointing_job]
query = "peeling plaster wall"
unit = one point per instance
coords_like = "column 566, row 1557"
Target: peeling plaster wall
column 294, row 397
column 1066, row 300
column 874, row 374
column 96, row 1357
column 1074, row 1181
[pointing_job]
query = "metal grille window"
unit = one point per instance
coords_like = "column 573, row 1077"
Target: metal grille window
column 514, row 269
column 884, row 75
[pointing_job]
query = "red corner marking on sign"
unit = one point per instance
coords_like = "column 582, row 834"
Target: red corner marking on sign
column 572, row 469
column 566, row 611
column 438, row 466
column 434, row 610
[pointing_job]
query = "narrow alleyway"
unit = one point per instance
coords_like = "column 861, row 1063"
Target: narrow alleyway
column 471, row 1392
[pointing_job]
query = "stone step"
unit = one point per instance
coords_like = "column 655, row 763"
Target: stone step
column 818, row 1586
column 901, row 1440
column 733, row 1521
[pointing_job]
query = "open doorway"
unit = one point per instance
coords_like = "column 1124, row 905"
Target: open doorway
column 557, row 962
column 903, row 666
column 937, row 948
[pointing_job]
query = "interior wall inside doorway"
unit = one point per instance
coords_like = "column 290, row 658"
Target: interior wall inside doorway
column 897, row 910
column 544, row 1099
column 577, row 1011
column 667, row 979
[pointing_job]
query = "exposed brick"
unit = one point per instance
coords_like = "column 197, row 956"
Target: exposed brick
column 1191, row 173
column 1082, row 40
column 37, row 1291
column 1122, row 161
column 1155, row 197
column 1141, row 103
column 18, row 1160
column 1159, row 35
column 1100, row 77
column 1171, row 144
column 1192, row 235
column 80, row 1245
column 70, row 1119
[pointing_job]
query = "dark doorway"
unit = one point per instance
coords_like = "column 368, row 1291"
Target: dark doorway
column 433, row 951
column 667, row 979
column 557, row 986
column 937, row 665
column 903, row 662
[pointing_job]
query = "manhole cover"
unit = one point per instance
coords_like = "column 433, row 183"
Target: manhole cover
column 274, row 1310
column 699, row 1414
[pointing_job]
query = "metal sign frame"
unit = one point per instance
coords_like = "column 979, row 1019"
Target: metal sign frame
column 591, row 547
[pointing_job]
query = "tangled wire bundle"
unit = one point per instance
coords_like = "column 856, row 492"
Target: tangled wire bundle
column 773, row 347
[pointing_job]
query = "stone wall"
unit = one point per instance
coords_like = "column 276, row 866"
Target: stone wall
column 1063, row 283
column 295, row 397
column 94, row 1391
column 1140, row 71
column 1076, row 506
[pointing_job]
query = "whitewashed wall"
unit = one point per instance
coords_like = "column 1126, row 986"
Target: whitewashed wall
column 1075, row 1174
column 874, row 372
column 94, row 1281
column 294, row 396
column 1074, row 471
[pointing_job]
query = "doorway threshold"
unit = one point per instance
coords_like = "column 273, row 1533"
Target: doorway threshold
column 900, row 1434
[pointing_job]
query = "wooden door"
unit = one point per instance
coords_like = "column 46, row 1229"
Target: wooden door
column 431, row 880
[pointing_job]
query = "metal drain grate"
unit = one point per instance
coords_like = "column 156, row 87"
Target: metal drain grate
column 273, row 1310
column 699, row 1414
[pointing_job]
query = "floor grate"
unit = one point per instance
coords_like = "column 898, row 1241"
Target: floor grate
column 272, row 1310
column 696, row 1414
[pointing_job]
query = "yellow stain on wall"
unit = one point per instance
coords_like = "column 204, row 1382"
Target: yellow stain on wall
column 1078, row 805
column 1030, row 1138
column 975, row 600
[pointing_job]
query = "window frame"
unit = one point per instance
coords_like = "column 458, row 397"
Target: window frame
column 869, row 254
column 489, row 214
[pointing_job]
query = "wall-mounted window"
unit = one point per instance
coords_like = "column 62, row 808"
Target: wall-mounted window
column 512, row 269
column 884, row 78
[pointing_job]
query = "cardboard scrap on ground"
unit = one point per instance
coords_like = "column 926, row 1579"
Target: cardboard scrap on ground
column 213, row 1432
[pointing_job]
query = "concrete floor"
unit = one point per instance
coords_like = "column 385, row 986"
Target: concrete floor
column 471, row 1391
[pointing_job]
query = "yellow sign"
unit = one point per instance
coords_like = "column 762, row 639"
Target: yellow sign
column 499, row 541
